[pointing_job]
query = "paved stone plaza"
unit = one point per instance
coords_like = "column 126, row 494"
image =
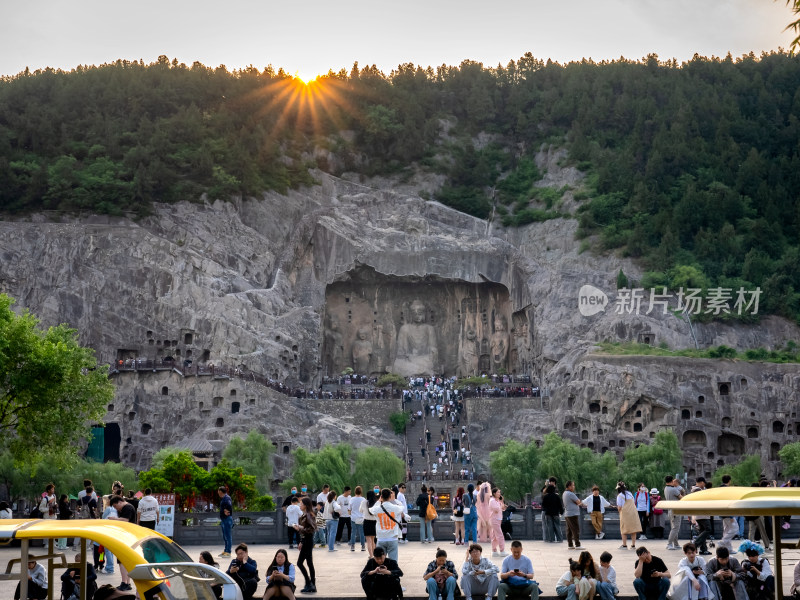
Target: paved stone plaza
column 338, row 572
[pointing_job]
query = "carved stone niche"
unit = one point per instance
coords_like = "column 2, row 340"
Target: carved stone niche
column 376, row 323
column 694, row 438
column 729, row 444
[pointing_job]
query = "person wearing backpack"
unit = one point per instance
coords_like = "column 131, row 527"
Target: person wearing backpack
column 48, row 505
column 470, row 516
column 458, row 515
column 87, row 504
column 425, row 521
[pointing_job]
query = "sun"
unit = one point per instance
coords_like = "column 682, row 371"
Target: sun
column 305, row 77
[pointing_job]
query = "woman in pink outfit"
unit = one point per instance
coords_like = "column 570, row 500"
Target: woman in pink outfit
column 496, row 509
column 484, row 512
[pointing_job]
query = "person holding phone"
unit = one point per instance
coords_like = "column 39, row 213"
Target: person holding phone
column 440, row 577
column 478, row 574
column 380, row 577
column 651, row 575
column 516, row 575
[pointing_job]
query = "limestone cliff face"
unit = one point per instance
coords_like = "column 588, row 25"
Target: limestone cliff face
column 304, row 285
column 154, row 410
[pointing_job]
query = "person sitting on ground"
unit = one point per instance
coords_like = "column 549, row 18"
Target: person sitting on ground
column 757, row 572
column 280, row 577
column 207, row 559
column 589, row 571
column 651, row 575
column 724, row 575
column 71, row 581
column 37, row 581
column 109, row 592
column 478, row 574
column 440, row 577
column 795, row 590
column 244, row 571
column 690, row 579
column 516, row 575
column 572, row 585
column 380, row 577
column 607, row 586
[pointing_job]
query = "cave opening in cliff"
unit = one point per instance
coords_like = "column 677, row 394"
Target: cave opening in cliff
column 375, row 323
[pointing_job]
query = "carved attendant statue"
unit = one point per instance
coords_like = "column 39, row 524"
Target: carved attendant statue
column 499, row 344
column 362, row 352
column 468, row 357
column 417, row 351
column 333, row 344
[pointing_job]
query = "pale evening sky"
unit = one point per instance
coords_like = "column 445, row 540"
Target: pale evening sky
column 311, row 36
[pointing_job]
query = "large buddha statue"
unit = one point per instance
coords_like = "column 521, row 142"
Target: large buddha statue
column 417, row 351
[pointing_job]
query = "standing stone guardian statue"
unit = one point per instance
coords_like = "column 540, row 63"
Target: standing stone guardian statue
column 362, row 351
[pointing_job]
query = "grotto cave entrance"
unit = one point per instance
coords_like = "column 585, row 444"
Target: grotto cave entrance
column 375, row 323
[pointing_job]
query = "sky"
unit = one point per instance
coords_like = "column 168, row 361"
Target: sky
column 309, row 37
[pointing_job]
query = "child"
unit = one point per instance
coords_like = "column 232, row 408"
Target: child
column 690, row 582
column 320, row 538
column 607, row 586
column 572, row 585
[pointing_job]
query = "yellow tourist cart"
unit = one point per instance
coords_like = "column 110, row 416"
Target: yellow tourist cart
column 159, row 568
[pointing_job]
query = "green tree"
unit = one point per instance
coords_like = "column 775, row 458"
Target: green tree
column 241, row 487
column 254, row 455
column 179, row 474
column 795, row 5
column 330, row 465
column 514, row 467
column 566, row 461
column 377, row 465
column 743, row 473
column 649, row 463
column 790, row 457
column 399, row 421
column 622, row 280
column 51, row 388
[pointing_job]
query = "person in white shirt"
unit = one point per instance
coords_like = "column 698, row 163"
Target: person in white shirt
column 147, row 511
column 387, row 513
column 293, row 512
column 357, row 503
column 344, row 515
column 323, row 495
column 596, row 507
column 37, row 581
column 331, row 515
column 400, row 495
column 607, row 585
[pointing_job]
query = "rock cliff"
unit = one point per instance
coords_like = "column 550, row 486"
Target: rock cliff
column 304, row 285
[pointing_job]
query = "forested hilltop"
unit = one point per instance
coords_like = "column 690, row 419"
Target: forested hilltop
column 694, row 168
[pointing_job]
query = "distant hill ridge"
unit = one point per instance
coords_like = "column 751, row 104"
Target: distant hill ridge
column 692, row 168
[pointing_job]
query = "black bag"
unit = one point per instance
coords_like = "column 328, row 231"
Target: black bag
column 459, row 508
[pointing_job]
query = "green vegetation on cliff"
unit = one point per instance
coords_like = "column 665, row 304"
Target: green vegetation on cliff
column 788, row 354
column 691, row 168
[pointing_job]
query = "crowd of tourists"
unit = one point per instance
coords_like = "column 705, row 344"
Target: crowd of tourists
column 377, row 523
